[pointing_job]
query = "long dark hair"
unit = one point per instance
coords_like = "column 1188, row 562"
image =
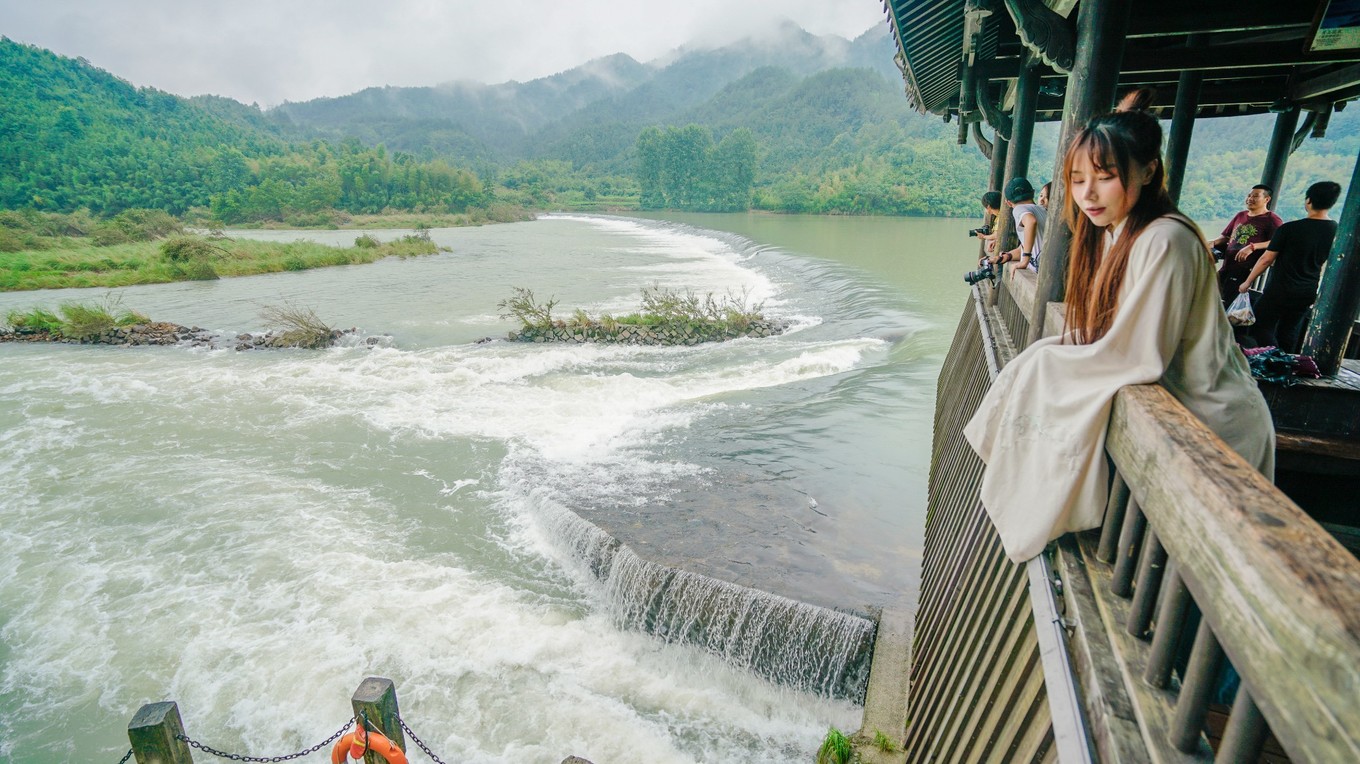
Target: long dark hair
column 1116, row 143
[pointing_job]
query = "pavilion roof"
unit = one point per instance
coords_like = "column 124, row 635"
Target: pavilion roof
column 1253, row 55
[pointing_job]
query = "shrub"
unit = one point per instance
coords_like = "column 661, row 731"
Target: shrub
column 200, row 270
column 525, row 307
column 884, row 743
column 366, row 242
column 184, row 249
column 835, row 749
column 108, row 234
column 82, row 321
column 298, row 327
column 146, row 225
column 34, row 321
column 11, row 241
column 294, row 263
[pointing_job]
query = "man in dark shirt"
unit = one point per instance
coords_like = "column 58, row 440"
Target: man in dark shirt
column 1244, row 239
column 1298, row 251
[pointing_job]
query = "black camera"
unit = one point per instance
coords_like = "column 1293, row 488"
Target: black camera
column 984, row 230
column 984, row 271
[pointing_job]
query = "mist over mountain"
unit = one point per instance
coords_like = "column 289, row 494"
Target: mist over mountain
column 785, row 121
column 587, row 111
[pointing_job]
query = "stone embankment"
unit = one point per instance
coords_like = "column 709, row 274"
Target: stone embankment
column 656, row 334
column 165, row 333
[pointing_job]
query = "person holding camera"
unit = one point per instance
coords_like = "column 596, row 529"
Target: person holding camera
column 991, row 208
column 1029, row 226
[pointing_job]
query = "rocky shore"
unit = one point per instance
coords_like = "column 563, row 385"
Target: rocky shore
column 165, row 333
column 659, row 334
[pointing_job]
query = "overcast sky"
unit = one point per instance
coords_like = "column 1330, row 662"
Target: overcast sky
column 269, row 51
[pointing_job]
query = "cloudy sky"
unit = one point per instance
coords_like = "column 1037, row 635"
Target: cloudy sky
column 269, row 51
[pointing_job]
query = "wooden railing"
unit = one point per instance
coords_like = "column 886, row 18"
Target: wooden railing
column 1193, row 529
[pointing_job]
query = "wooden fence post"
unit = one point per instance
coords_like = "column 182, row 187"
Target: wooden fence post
column 376, row 699
column 153, row 732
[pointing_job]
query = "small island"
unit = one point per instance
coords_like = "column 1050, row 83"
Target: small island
column 666, row 317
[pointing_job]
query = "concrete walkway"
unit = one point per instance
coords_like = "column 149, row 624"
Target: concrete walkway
column 885, row 702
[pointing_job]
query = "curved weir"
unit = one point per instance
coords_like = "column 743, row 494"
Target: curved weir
column 811, row 648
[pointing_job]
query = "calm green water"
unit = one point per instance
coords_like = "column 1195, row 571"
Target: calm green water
column 251, row 534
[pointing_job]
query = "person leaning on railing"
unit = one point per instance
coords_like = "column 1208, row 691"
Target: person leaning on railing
column 1142, row 307
column 1029, row 224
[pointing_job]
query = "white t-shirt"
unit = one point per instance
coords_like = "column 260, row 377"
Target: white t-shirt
column 1040, row 217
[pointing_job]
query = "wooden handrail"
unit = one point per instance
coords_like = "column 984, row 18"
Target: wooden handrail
column 1282, row 595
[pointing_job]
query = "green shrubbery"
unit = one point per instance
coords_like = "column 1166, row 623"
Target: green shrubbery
column 660, row 307
column 835, row 748
column 77, row 321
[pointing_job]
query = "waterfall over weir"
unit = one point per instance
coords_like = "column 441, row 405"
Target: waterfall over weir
column 811, row 648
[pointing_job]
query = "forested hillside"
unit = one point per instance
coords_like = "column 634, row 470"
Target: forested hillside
column 791, row 122
column 73, row 136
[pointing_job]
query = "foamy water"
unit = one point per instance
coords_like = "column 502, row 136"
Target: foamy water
column 251, row 534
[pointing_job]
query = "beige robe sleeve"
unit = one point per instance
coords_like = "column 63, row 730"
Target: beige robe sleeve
column 1041, row 428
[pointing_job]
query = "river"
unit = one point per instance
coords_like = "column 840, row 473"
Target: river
column 252, row 533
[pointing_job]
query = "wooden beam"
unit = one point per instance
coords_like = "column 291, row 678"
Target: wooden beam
column 1217, row 16
column 1232, row 56
column 1282, row 595
column 1323, row 84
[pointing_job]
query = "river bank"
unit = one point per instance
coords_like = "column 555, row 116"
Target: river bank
column 79, row 262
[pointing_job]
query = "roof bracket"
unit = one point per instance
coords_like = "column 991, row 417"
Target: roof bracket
column 998, row 119
column 1045, row 32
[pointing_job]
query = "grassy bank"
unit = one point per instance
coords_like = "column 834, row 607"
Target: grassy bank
column 339, row 220
column 79, row 262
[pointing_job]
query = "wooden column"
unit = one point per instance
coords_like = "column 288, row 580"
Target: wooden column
column 155, row 733
column 1182, row 124
column 376, row 700
column 1000, row 148
column 1338, row 300
column 1022, row 119
column 1277, row 155
column 1101, row 27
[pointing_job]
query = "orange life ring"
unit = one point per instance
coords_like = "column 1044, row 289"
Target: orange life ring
column 354, row 744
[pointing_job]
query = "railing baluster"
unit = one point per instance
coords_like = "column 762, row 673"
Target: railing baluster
column 1193, row 705
column 1126, row 561
column 1114, row 519
column 1150, row 569
column 1170, row 621
column 1246, row 733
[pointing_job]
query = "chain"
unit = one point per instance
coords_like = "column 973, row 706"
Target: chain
column 239, row 757
column 126, row 756
column 419, row 742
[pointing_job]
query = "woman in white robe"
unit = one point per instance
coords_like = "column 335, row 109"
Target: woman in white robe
column 1143, row 306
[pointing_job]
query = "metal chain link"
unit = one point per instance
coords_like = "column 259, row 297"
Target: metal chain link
column 419, row 742
column 239, row 757
column 126, row 756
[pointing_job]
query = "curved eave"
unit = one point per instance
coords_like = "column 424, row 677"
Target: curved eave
column 929, row 36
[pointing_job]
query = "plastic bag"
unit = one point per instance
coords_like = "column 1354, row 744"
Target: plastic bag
column 1240, row 312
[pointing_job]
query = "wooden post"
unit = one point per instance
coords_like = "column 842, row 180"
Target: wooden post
column 376, row 700
column 1182, row 124
column 154, row 733
column 1017, row 157
column 1101, row 28
column 1338, row 302
column 1022, row 119
column 1000, row 148
column 1277, row 155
